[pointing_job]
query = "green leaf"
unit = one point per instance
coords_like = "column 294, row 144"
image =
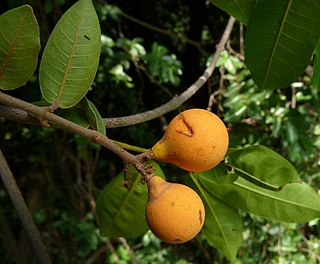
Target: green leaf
column 75, row 115
column 93, row 116
column 221, row 175
column 240, row 9
column 262, row 166
column 280, row 39
column 295, row 203
column 19, row 47
column 121, row 205
column 316, row 67
column 163, row 66
column 223, row 223
column 71, row 56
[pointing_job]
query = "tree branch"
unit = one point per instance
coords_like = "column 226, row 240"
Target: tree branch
column 17, row 115
column 23, row 212
column 47, row 117
column 176, row 101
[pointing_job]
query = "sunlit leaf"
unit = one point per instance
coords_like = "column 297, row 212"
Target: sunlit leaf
column 19, row 47
column 121, row 205
column 221, row 175
column 280, row 39
column 296, row 202
column 71, row 56
column 223, row 223
column 262, row 166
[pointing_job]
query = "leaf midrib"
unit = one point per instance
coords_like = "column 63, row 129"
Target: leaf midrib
column 270, row 196
column 211, row 209
column 12, row 46
column 124, row 203
column 68, row 66
column 241, row 10
column 283, row 21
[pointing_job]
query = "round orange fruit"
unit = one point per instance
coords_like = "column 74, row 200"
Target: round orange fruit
column 174, row 212
column 195, row 140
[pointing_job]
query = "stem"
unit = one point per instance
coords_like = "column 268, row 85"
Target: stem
column 23, row 212
column 130, row 147
column 47, row 117
column 43, row 114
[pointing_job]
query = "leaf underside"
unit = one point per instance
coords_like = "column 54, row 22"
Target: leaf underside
column 71, row 56
column 19, row 47
column 93, row 116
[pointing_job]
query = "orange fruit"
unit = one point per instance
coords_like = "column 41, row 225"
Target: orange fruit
column 195, row 140
column 174, row 212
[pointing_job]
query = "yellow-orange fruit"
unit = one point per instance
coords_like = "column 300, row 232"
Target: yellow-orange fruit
column 174, row 212
column 195, row 140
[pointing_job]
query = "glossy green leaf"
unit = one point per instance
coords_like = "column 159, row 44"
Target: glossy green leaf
column 295, row 203
column 93, row 116
column 262, row 166
column 19, row 47
column 71, row 56
column 316, row 67
column 221, row 175
column 121, row 205
column 223, row 223
column 240, row 9
column 280, row 39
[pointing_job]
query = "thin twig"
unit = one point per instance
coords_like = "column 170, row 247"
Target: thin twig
column 176, row 101
column 183, row 38
column 241, row 38
column 23, row 212
column 166, row 32
column 133, row 257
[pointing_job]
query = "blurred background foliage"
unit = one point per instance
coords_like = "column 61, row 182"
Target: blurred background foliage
column 149, row 54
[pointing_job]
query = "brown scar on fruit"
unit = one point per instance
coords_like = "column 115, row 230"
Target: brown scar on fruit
column 190, row 131
column 200, row 216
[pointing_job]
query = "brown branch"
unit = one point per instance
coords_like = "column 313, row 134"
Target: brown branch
column 23, row 212
column 47, row 117
column 17, row 115
column 176, row 101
